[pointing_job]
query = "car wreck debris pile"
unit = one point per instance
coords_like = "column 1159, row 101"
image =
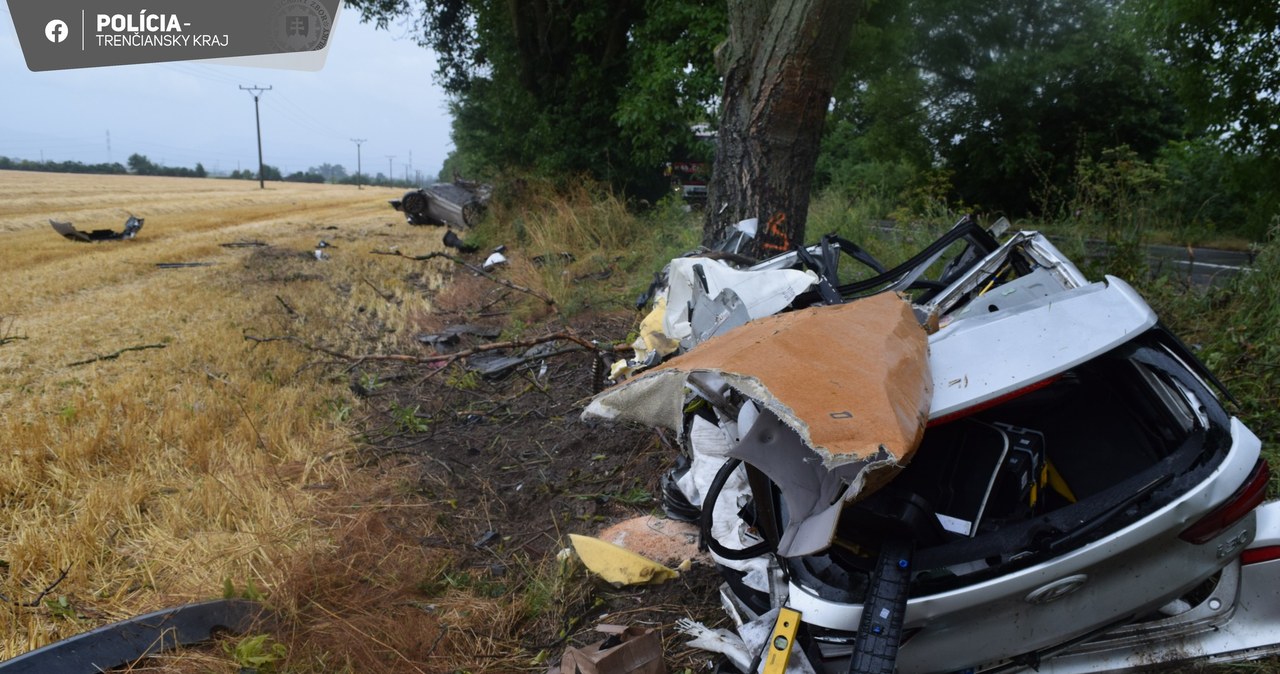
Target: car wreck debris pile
column 976, row 459
column 131, row 228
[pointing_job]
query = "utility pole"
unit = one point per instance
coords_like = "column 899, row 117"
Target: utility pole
column 391, row 175
column 257, row 120
column 358, row 141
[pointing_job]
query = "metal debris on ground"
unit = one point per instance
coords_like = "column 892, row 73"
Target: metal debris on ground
column 183, row 265
column 495, row 259
column 131, row 228
column 452, row 240
column 128, row 641
column 451, row 334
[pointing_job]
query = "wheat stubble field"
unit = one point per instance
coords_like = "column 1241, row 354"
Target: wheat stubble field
column 151, row 479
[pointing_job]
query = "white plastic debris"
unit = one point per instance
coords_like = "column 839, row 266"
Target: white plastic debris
column 495, row 259
column 716, row 641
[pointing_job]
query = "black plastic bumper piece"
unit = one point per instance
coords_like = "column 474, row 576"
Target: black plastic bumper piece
column 120, row 643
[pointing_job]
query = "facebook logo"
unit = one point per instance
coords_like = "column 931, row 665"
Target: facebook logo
column 56, row 30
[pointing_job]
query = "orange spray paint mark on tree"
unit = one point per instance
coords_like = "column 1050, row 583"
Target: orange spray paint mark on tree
column 776, row 239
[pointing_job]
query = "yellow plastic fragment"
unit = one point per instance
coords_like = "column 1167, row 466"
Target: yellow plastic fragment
column 617, row 564
column 651, row 332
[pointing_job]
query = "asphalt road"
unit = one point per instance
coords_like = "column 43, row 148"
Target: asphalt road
column 1204, row 266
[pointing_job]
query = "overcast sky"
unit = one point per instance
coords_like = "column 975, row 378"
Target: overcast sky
column 375, row 85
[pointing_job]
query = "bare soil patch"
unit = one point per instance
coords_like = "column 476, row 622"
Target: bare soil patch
column 511, row 470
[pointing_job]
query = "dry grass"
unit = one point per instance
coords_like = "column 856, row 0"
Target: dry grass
column 154, row 477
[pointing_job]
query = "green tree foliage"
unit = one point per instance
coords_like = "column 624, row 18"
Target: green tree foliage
column 875, row 144
column 567, row 87
column 140, row 165
column 50, row 166
column 333, row 173
column 308, row 177
column 1009, row 95
column 1226, row 55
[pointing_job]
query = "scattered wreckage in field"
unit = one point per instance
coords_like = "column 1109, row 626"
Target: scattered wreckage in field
column 975, row 460
column 458, row 204
column 131, row 228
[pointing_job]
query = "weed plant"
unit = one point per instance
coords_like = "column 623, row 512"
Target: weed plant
column 1234, row 327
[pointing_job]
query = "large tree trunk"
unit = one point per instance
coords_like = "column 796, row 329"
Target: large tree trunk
column 780, row 65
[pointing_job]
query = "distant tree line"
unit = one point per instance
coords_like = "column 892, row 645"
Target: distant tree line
column 50, row 166
column 140, row 165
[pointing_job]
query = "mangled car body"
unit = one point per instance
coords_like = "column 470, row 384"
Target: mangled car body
column 131, row 228
column 459, row 204
column 1036, row 473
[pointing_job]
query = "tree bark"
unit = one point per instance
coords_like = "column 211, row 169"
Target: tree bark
column 780, row 65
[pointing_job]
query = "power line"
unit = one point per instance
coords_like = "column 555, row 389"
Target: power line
column 391, row 174
column 358, row 141
column 257, row 120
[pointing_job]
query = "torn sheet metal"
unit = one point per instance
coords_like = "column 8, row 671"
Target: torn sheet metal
column 1087, row 322
column 850, row 382
column 761, row 293
column 131, row 228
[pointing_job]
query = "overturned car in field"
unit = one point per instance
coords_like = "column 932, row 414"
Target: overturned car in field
column 459, row 204
column 975, row 460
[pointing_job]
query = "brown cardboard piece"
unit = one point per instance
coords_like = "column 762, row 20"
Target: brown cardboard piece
column 639, row 652
column 851, row 380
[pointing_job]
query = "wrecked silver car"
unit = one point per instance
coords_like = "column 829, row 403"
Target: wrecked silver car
column 459, row 204
column 976, row 460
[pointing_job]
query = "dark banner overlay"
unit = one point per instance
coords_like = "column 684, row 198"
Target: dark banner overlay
column 62, row 34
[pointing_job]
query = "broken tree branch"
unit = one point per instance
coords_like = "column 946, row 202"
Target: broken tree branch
column 49, row 588
column 586, row 345
column 43, row 593
column 286, row 306
column 116, row 354
column 6, row 331
column 386, row 297
column 457, row 260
